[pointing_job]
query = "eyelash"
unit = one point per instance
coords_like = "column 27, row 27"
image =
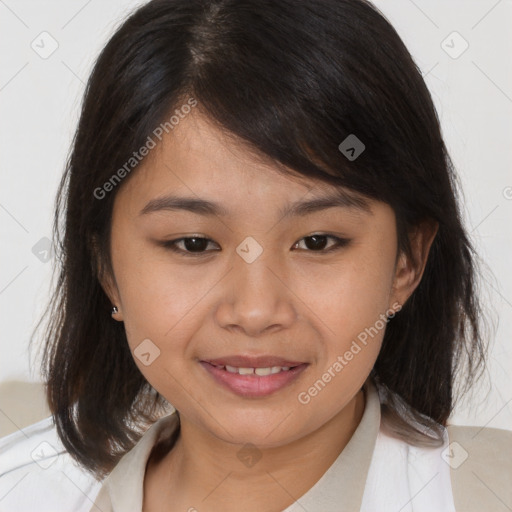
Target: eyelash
column 171, row 245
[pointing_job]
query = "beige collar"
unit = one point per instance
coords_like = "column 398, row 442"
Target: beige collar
column 341, row 485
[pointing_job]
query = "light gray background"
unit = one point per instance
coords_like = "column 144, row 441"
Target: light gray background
column 40, row 98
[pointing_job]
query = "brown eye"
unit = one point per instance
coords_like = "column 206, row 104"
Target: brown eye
column 318, row 242
column 189, row 245
column 195, row 244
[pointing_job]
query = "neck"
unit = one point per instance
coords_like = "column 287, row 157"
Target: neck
column 204, row 472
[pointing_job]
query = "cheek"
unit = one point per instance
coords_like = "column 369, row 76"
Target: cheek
column 354, row 293
column 161, row 307
column 157, row 300
column 164, row 310
column 351, row 306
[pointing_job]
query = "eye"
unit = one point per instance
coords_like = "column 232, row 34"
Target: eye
column 191, row 245
column 317, row 242
column 196, row 245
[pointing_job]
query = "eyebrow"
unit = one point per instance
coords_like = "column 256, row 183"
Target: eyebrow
column 337, row 199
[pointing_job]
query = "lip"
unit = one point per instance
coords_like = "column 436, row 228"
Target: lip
column 253, row 361
column 254, row 386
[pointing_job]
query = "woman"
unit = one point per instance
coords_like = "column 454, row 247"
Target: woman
column 261, row 229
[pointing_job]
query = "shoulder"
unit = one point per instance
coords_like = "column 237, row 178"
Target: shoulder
column 37, row 473
column 481, row 466
column 482, row 444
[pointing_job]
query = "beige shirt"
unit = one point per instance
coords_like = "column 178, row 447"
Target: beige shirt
column 343, row 483
column 373, row 473
column 123, row 488
column 470, row 472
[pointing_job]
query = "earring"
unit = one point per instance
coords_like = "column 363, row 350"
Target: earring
column 115, row 310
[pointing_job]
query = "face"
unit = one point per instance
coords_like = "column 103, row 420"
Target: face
column 197, row 289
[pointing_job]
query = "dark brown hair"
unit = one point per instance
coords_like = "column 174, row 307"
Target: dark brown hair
column 292, row 79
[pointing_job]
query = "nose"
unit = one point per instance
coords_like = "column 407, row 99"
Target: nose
column 256, row 299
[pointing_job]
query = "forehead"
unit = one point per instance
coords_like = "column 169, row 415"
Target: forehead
column 199, row 159
column 203, row 151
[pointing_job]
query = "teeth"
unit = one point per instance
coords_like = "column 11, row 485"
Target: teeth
column 257, row 371
column 263, row 371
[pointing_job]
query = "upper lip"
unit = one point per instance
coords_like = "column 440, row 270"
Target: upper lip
column 252, row 361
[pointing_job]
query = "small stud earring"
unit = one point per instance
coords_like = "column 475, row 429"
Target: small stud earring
column 115, row 310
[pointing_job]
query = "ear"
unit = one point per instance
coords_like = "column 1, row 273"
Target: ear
column 106, row 279
column 409, row 268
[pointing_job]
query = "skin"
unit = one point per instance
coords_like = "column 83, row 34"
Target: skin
column 292, row 301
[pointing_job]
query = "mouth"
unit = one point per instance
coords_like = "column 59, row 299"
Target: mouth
column 253, row 377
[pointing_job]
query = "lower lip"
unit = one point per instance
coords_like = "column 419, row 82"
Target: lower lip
column 253, row 385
